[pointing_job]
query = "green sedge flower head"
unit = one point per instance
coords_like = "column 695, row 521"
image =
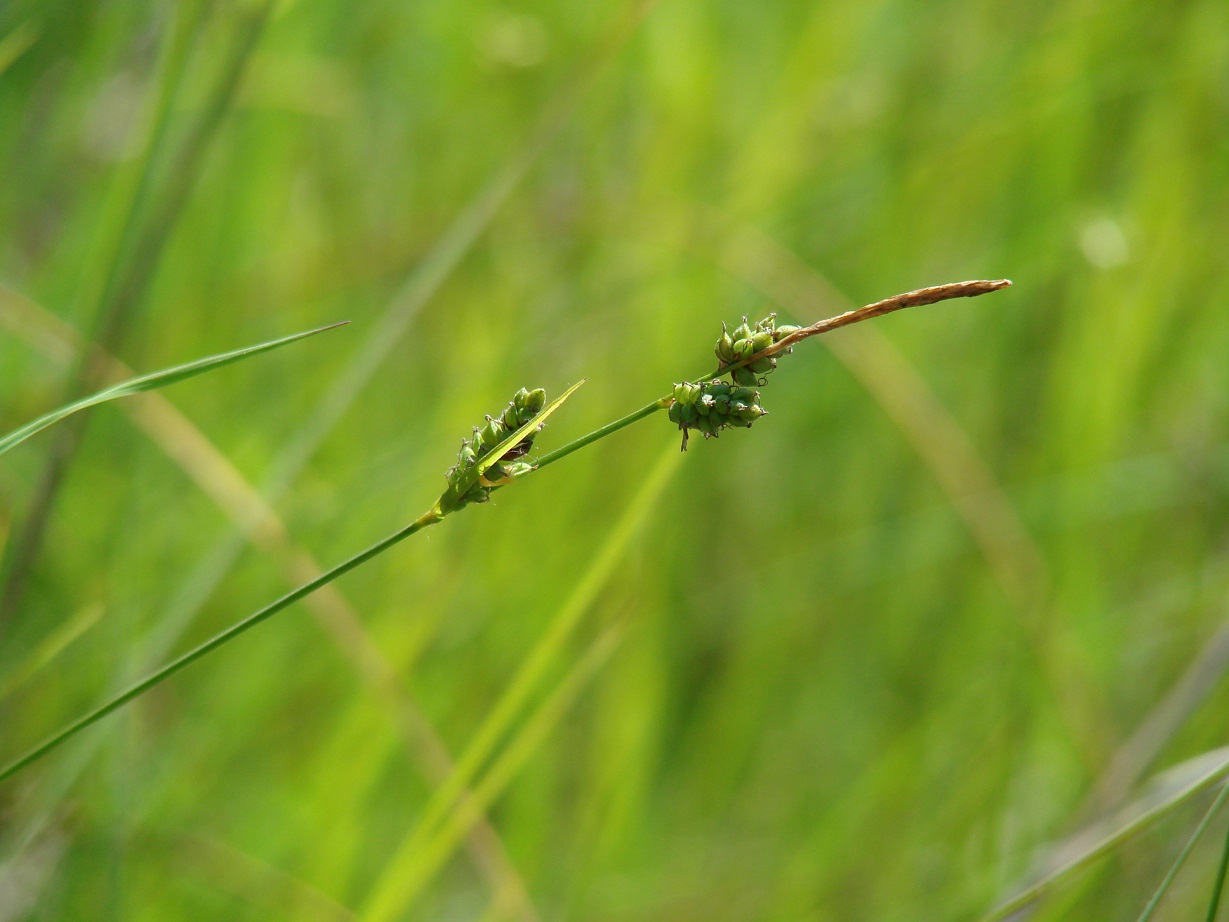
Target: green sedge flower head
column 710, row 406
column 523, row 407
column 747, row 341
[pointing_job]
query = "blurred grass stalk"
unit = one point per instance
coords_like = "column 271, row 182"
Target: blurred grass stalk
column 1172, row 789
column 132, row 242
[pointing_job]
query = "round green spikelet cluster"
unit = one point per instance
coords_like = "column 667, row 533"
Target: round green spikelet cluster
column 746, row 341
column 711, row 406
column 523, row 407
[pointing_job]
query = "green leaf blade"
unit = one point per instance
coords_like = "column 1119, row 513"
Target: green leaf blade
column 153, row 381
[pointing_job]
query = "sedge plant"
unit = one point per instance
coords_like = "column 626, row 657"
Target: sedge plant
column 497, row 454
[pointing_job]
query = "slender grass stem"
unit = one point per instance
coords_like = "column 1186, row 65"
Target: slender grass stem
column 1184, row 854
column 601, row 433
column 1109, row 842
column 428, row 518
column 1219, row 886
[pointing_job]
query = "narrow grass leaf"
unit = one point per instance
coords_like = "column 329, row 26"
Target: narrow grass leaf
column 17, row 43
column 1174, row 788
column 398, row 899
column 1219, row 887
column 1184, row 854
column 152, row 382
column 385, row 895
column 52, row 646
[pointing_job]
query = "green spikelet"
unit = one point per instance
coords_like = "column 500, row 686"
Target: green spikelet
column 714, row 405
column 523, row 407
column 711, row 406
column 747, row 341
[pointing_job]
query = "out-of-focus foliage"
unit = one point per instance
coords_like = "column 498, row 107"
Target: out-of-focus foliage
column 867, row 658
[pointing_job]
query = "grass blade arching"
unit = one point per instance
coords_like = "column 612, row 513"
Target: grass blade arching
column 152, row 382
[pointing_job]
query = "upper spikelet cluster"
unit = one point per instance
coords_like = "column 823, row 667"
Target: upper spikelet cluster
column 747, row 341
column 523, row 407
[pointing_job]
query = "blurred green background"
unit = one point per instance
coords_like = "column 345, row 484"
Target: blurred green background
column 962, row 593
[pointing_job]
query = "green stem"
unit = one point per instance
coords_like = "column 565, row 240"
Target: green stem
column 661, row 403
column 429, row 518
column 1184, row 854
column 1220, row 881
column 577, row 444
column 1110, row 842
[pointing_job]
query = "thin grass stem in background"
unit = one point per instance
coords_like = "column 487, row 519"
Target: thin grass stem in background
column 437, row 848
column 388, row 893
column 1184, row 854
column 1138, row 819
column 1219, row 886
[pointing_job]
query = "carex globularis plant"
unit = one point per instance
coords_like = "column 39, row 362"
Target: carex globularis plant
column 498, row 454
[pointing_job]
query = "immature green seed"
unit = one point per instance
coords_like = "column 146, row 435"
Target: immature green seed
column 686, row 393
column 750, row 414
column 725, row 347
column 492, row 433
column 743, row 331
column 761, row 340
column 534, row 402
column 745, row 376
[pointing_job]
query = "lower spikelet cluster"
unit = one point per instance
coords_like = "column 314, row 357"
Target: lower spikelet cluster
column 711, row 406
column 747, row 341
column 523, row 407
